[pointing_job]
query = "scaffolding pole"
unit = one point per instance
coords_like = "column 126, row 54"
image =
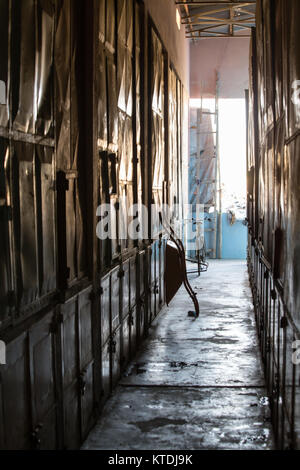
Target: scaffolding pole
column 218, row 170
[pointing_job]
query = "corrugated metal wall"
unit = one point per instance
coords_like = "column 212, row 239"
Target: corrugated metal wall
column 274, row 205
column 90, row 104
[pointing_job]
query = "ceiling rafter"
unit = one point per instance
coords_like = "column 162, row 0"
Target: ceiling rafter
column 223, row 19
column 220, row 20
column 213, row 3
column 187, row 12
column 218, row 10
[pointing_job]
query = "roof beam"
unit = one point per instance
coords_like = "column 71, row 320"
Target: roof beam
column 218, row 37
column 212, row 12
column 221, row 20
column 206, row 4
column 223, row 23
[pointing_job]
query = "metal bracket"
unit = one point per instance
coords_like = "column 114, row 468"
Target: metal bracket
column 7, row 212
column 283, row 322
column 273, row 294
column 35, row 436
column 112, row 346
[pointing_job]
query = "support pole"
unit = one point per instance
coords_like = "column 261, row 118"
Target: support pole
column 218, row 169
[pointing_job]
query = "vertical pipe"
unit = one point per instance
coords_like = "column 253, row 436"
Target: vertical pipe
column 218, row 171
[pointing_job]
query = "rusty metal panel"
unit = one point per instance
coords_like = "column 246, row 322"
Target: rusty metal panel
column 101, row 85
column 16, row 396
column 105, row 310
column 142, row 269
column 23, row 66
column 122, row 17
column 122, row 149
column 44, row 67
column 86, row 358
column 278, row 58
column 71, row 228
column 115, row 356
column 268, row 44
column 133, row 321
column 296, row 434
column 100, row 77
column 286, row 83
column 292, row 268
column 45, row 176
column 266, row 192
column 157, row 277
column 125, row 302
column 5, row 216
column 115, row 299
column 289, row 380
column 157, row 124
column 32, row 61
column 76, row 89
column 42, row 378
column 137, row 34
column 112, row 105
column 148, row 284
column 126, row 201
column 125, row 103
column 162, row 256
column 141, row 321
column 141, row 293
column 69, row 348
column 157, row 152
column 111, row 25
column 106, row 371
column 125, row 148
column 173, row 138
column 179, row 140
column 153, row 285
column 87, row 401
column 260, row 70
column 2, row 432
column 102, row 20
column 26, row 222
column 85, row 328
column 4, row 61
column 292, row 11
column 62, row 60
column 133, row 281
column 125, row 22
column 114, row 242
column 125, row 340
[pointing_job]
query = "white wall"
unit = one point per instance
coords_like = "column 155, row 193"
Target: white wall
column 229, row 57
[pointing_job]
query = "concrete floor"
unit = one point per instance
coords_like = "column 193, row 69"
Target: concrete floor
column 195, row 384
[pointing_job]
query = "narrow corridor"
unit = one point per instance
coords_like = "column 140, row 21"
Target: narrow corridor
column 195, row 384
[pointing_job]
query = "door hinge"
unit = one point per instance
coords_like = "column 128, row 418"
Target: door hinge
column 112, row 346
column 283, row 322
column 57, row 320
column 7, row 212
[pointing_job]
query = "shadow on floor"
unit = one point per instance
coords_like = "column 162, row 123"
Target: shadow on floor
column 195, row 384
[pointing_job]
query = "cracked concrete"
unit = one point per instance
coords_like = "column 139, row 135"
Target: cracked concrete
column 195, row 384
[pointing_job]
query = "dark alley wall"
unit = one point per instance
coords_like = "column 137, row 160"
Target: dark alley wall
column 274, row 206
column 164, row 16
column 92, row 109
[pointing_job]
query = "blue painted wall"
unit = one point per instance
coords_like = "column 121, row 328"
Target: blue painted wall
column 234, row 239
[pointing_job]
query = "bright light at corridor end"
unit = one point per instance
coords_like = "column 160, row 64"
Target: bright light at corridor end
column 232, row 146
column 178, row 19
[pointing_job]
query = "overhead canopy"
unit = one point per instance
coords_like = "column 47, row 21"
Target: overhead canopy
column 211, row 19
